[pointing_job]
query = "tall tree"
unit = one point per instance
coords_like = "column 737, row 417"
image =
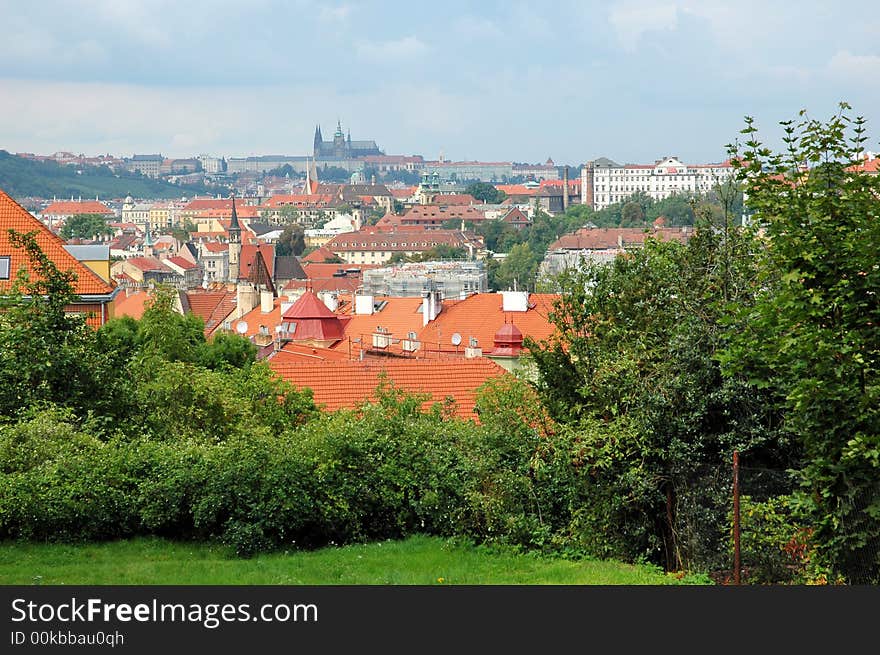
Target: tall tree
column 292, row 240
column 85, row 226
column 813, row 333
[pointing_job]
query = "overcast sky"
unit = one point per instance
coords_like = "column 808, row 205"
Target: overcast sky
column 574, row 80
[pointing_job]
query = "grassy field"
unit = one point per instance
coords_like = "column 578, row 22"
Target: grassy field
column 416, row 561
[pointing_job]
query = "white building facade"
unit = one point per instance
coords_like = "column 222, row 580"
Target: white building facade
column 604, row 182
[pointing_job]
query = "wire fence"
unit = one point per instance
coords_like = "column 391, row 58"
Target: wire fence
column 775, row 533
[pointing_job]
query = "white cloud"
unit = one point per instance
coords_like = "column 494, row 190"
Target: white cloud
column 471, row 27
column 864, row 68
column 335, row 14
column 632, row 18
column 408, row 46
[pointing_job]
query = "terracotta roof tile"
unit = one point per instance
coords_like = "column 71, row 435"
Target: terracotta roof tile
column 132, row 305
column 72, row 207
column 481, row 316
column 14, row 216
column 347, row 384
column 318, row 256
column 614, row 237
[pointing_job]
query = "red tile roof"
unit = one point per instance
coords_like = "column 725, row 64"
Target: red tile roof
column 412, row 240
column 72, row 207
column 300, row 200
column 14, row 216
column 216, row 246
column 296, row 352
column 448, row 199
column 318, row 256
column 615, row 237
column 130, row 304
column 213, row 307
column 249, row 254
column 147, row 263
column 481, row 316
column 185, row 264
column 313, row 320
column 347, row 384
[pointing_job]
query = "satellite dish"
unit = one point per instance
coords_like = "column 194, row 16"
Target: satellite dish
column 456, row 339
column 241, row 327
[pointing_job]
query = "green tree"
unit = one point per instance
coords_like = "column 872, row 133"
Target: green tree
column 813, row 332
column 519, row 269
column 85, row 226
column 485, row 192
column 292, row 241
column 632, row 215
column 633, row 371
column 47, row 355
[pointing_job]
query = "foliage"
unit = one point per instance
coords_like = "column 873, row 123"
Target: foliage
column 775, row 542
column 292, row 240
column 85, row 226
column 22, row 177
column 485, row 192
column 633, row 371
column 812, row 333
column 45, row 354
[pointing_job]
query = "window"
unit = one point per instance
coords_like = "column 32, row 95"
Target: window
column 4, row 268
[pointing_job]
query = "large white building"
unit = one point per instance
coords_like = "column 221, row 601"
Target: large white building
column 604, row 182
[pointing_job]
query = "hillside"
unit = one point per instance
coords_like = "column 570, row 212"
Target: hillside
column 21, row 177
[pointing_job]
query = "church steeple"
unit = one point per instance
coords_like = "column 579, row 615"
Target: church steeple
column 234, row 244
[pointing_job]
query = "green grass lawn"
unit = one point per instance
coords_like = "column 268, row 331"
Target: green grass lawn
column 416, row 561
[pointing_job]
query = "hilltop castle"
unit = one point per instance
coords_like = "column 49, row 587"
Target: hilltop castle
column 342, row 147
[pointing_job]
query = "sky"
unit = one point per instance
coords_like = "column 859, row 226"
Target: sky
column 574, row 80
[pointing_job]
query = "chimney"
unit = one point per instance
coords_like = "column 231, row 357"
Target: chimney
column 363, row 304
column 473, row 350
column 565, row 188
column 266, row 301
column 432, row 304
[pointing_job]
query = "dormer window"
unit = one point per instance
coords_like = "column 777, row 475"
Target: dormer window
column 4, row 268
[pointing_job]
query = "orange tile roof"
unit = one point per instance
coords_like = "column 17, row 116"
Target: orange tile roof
column 480, row 316
column 213, row 307
column 347, row 384
column 130, row 304
column 185, row 264
column 399, row 316
column 248, row 256
column 201, row 204
column 216, row 246
column 14, row 216
column 610, row 237
column 68, row 207
column 300, row 200
column 455, row 199
column 295, row 352
column 318, row 256
column 256, row 317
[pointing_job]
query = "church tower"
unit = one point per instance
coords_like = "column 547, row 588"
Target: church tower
column 319, row 141
column 234, row 244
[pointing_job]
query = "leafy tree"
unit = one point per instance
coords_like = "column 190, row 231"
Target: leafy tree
column 46, row 354
column 292, row 240
column 85, row 226
column 227, row 350
column 813, row 332
column 485, row 192
column 632, row 215
column 633, row 370
column 519, row 269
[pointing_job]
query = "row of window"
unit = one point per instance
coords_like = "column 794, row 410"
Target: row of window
column 414, row 244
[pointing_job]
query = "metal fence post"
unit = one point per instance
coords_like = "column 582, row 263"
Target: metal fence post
column 737, row 564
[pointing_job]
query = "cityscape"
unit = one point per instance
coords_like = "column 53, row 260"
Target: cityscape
column 476, row 294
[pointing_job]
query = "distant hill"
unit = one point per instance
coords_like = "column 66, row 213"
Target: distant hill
column 21, row 177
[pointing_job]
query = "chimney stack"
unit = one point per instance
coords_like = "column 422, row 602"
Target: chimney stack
column 565, row 188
